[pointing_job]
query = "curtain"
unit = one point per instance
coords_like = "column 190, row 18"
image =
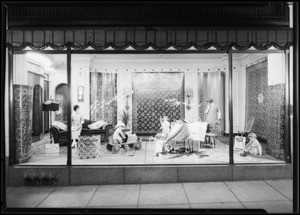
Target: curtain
column 103, row 102
column 157, row 38
column 37, row 120
column 212, row 85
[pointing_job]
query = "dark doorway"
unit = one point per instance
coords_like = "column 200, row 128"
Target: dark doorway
column 46, row 114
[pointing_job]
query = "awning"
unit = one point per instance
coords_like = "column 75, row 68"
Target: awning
column 127, row 38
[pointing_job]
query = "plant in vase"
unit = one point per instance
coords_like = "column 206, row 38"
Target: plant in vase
column 125, row 117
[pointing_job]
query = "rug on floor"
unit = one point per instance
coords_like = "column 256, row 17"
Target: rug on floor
column 215, row 154
column 206, row 155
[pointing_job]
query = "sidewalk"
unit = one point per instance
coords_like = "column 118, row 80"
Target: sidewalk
column 275, row 196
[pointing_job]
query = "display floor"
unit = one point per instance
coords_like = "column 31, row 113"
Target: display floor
column 44, row 153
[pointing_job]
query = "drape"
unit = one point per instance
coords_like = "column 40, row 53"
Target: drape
column 212, row 85
column 37, row 120
column 132, row 38
column 103, row 98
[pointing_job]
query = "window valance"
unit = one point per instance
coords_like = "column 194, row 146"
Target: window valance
column 143, row 39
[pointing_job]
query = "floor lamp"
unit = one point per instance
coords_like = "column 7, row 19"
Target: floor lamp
column 50, row 106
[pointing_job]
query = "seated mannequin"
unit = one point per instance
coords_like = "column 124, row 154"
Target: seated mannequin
column 123, row 140
column 253, row 147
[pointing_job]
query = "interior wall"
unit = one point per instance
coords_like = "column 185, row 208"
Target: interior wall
column 59, row 76
column 191, row 83
column 80, row 77
column 124, row 87
column 125, row 68
column 276, row 69
column 238, row 96
column 20, row 67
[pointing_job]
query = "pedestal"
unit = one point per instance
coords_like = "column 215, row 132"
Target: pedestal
column 89, row 146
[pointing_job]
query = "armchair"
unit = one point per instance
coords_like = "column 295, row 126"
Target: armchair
column 59, row 136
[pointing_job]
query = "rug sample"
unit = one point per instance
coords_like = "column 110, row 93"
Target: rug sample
column 156, row 94
column 256, row 87
column 276, row 145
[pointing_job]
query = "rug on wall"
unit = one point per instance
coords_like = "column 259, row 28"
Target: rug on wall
column 256, row 97
column 22, row 116
column 155, row 95
column 103, row 98
column 276, row 145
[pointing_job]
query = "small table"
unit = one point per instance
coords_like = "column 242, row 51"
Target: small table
column 210, row 139
column 89, row 146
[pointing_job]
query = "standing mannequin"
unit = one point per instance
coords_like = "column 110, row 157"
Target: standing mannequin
column 213, row 114
column 77, row 121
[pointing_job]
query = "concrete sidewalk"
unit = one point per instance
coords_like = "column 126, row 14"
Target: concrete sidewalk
column 275, row 196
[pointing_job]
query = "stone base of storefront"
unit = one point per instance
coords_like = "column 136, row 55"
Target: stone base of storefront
column 98, row 175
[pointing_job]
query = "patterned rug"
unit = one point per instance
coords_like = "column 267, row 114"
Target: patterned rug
column 103, row 152
column 147, row 154
column 217, row 154
column 206, row 155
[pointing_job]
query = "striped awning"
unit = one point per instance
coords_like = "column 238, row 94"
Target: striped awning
column 127, row 38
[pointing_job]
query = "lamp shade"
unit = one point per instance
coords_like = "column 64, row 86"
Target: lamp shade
column 50, row 105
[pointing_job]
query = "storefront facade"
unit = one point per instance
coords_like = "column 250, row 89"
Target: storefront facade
column 115, row 49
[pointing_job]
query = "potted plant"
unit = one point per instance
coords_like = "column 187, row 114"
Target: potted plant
column 125, row 117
